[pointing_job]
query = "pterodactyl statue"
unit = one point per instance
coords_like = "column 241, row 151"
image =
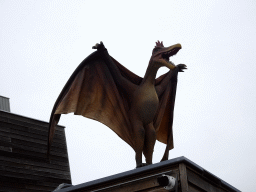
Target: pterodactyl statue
column 139, row 110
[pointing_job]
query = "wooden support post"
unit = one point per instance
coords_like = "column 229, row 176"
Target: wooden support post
column 183, row 177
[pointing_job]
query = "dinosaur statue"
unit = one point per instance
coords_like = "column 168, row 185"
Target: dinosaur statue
column 139, row 110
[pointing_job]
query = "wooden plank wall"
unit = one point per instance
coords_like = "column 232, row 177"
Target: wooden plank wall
column 192, row 180
column 23, row 163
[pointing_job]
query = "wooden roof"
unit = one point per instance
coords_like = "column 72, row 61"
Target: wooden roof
column 189, row 176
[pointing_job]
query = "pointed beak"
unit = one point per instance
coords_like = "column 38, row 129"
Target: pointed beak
column 168, row 52
column 170, row 66
column 173, row 49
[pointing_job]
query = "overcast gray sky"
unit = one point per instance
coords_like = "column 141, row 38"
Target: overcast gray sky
column 42, row 42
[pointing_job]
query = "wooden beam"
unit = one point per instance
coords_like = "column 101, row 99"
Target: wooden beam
column 183, row 177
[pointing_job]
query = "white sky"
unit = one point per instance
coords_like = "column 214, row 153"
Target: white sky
column 42, row 42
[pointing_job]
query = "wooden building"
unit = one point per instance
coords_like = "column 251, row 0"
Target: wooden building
column 189, row 177
column 23, row 144
column 25, row 168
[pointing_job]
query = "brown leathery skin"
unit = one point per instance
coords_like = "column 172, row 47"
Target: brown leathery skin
column 139, row 110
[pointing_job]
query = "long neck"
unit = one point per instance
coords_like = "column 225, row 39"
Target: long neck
column 150, row 74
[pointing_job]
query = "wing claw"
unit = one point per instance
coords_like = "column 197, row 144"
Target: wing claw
column 99, row 47
column 181, row 67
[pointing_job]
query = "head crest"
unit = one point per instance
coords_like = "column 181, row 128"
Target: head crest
column 158, row 44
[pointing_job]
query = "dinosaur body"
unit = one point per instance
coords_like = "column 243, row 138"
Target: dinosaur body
column 145, row 103
column 137, row 109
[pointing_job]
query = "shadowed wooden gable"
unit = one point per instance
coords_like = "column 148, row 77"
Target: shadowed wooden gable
column 23, row 145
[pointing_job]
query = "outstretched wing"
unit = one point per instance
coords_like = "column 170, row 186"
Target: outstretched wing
column 164, row 120
column 92, row 92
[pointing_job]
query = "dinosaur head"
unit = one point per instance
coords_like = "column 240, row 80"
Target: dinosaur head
column 160, row 55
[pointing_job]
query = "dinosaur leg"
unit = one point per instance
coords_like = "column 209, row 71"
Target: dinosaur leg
column 149, row 142
column 139, row 134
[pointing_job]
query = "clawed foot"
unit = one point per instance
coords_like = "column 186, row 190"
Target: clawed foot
column 141, row 165
column 181, row 67
column 99, row 46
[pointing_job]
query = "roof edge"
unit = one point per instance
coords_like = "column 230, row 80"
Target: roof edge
column 61, row 126
column 141, row 170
